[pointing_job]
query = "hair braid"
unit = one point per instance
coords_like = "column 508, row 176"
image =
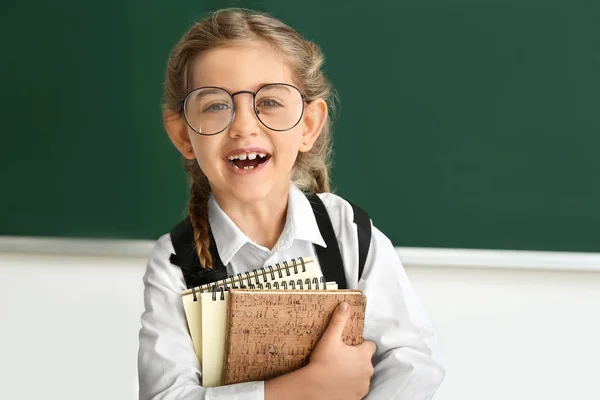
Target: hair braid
column 321, row 177
column 198, row 211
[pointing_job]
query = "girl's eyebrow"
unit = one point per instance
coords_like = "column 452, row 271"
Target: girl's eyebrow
column 274, row 83
column 205, row 92
column 283, row 85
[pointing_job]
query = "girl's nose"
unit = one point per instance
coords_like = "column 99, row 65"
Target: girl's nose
column 245, row 122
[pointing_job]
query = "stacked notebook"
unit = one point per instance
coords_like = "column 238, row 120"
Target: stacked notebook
column 264, row 323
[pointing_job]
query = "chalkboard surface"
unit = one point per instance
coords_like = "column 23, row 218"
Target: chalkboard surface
column 471, row 124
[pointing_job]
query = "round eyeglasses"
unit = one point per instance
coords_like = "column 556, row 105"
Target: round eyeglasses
column 210, row 110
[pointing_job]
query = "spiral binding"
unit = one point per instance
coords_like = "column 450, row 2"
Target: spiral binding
column 294, row 284
column 285, row 285
column 232, row 281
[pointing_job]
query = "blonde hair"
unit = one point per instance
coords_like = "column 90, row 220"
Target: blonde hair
column 304, row 58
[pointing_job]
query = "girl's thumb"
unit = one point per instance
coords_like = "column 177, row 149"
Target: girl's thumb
column 338, row 321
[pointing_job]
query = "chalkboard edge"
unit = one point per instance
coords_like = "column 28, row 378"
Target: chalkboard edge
column 412, row 257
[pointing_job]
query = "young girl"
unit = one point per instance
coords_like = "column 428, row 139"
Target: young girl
column 246, row 103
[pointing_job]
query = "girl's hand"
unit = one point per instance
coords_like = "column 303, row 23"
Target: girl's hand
column 337, row 370
column 334, row 371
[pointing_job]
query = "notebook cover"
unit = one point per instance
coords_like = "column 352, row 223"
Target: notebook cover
column 271, row 333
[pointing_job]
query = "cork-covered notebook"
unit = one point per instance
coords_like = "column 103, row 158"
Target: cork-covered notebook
column 271, row 333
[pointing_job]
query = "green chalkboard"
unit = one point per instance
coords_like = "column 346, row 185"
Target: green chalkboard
column 468, row 124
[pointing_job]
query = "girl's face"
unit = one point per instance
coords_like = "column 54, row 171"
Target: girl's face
column 221, row 157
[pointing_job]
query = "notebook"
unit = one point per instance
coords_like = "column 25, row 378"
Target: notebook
column 271, row 333
column 206, row 307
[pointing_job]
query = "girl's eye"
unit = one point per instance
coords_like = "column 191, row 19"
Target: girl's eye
column 216, row 107
column 269, row 103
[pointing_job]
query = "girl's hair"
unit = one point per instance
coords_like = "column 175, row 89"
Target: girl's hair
column 304, row 58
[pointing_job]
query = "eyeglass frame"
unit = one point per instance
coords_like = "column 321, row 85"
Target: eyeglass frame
column 256, row 112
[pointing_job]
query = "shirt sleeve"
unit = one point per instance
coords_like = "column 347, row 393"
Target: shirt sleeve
column 406, row 362
column 168, row 367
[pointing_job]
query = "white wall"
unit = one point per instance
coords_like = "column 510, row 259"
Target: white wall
column 69, row 324
column 514, row 334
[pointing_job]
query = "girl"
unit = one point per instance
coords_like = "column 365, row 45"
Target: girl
column 246, row 103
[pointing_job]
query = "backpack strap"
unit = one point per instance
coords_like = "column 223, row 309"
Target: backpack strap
column 363, row 226
column 330, row 257
column 182, row 237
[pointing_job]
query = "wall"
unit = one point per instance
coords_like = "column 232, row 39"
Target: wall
column 70, row 323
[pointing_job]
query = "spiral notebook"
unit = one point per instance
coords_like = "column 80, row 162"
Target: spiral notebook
column 272, row 333
column 206, row 307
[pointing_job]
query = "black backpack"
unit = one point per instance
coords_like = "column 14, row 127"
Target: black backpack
column 330, row 258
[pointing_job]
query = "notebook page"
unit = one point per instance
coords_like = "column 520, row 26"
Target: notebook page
column 193, row 315
column 214, row 325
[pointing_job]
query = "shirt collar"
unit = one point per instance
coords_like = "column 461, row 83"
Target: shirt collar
column 301, row 218
column 300, row 224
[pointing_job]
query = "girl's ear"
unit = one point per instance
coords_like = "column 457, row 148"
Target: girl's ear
column 315, row 115
column 176, row 127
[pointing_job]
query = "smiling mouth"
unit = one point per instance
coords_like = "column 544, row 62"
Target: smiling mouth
column 248, row 161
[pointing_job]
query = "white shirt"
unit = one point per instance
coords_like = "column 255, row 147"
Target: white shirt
column 406, row 361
